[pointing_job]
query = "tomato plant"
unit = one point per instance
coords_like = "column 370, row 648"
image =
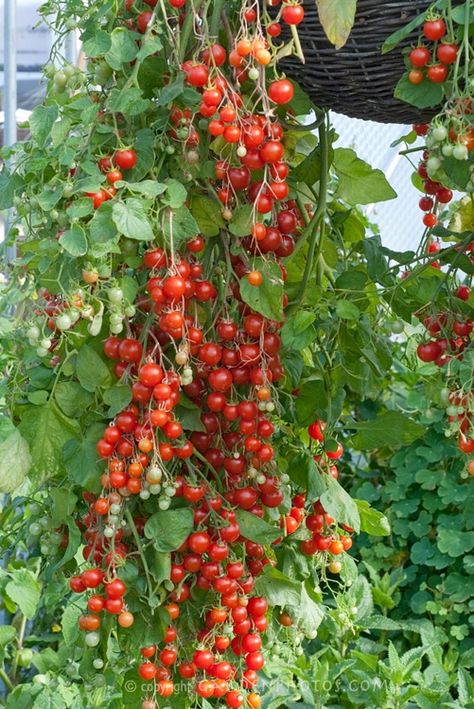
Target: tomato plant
column 199, row 300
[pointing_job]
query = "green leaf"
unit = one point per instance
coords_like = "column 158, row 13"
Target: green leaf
column 149, row 45
column 50, row 196
column 372, row 521
column 301, row 103
column 72, row 398
column 309, row 612
column 455, row 544
column 256, row 529
column 207, row 213
column 15, row 461
column 424, row 95
column 175, row 194
column 131, row 220
column 91, row 370
column 98, row 44
column 63, row 502
column 169, row 528
column 242, row 220
column 74, row 241
column 24, row 589
column 189, row 415
column 129, row 101
column 278, row 588
column 7, row 633
column 80, row 208
column 347, row 310
column 46, row 429
column 8, row 185
column 396, row 37
column 169, row 92
column 41, row 121
column 117, row 398
column 81, row 459
column 148, row 188
column 337, row 18
column 144, row 145
column 267, row 298
column 311, row 402
column 123, row 48
column 101, row 226
column 69, row 624
column 389, row 429
column 358, row 182
column 339, row 504
column 179, row 226
column 303, row 471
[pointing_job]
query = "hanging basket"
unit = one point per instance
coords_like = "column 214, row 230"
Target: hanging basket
column 358, row 80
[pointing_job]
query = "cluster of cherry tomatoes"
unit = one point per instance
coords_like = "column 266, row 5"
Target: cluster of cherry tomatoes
column 432, row 63
column 112, row 166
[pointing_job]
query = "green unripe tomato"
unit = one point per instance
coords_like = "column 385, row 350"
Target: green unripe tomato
column 60, row 80
column 460, row 152
column 92, row 639
column 25, row 656
column 397, row 327
column 447, row 150
column 439, row 133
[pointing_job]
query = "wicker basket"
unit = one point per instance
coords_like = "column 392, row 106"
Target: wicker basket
column 358, row 80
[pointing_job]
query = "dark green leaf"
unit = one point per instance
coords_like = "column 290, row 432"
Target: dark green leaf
column 117, row 398
column 72, row 398
column 256, row 529
column 207, row 213
column 171, row 91
column 129, row 102
column 63, row 502
column 389, row 429
column 242, row 220
column 168, row 529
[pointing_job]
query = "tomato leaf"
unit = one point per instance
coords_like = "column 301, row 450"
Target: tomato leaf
column 207, row 213
column 337, row 18
column 372, row 521
column 389, row 429
column 91, row 370
column 339, row 504
column 266, row 298
column 242, row 220
column 15, row 461
column 46, row 429
column 168, row 529
column 63, row 502
column 117, row 398
column 278, row 588
column 424, row 95
column 24, row 590
column 175, row 194
column 347, row 310
column 74, row 241
column 41, row 120
column 98, row 44
column 179, row 226
column 123, row 48
column 7, row 633
column 359, row 183
column 81, row 460
column 256, row 529
column 131, row 219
